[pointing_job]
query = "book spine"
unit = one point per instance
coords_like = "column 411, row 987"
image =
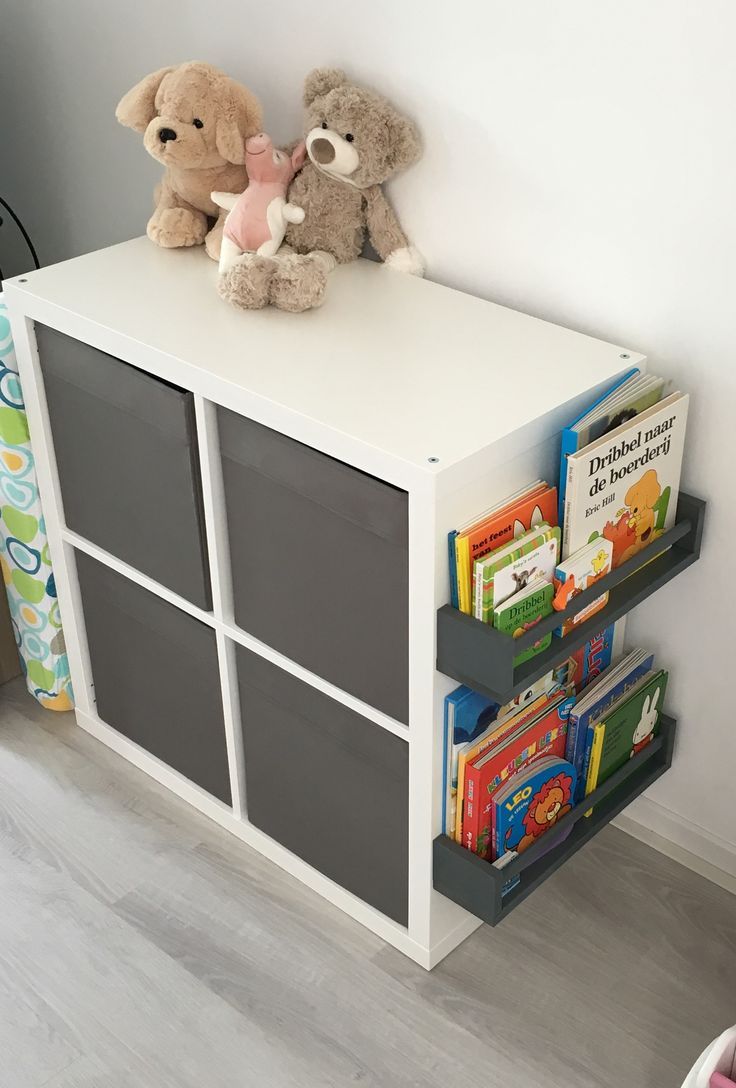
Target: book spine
column 460, row 799
column 463, row 574
column 478, row 591
column 453, row 568
column 569, row 445
column 471, row 806
column 588, row 750
column 572, row 739
column 567, row 519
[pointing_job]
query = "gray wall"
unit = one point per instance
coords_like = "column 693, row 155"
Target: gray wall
column 77, row 179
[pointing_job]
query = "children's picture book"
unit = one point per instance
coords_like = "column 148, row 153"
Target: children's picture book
column 550, row 684
column 589, row 661
column 629, row 396
column 571, row 434
column 467, row 715
column 521, row 612
column 543, row 736
column 626, row 728
column 593, row 704
column 533, row 801
column 508, row 720
column 581, row 571
column 521, row 511
column 509, row 570
column 624, row 486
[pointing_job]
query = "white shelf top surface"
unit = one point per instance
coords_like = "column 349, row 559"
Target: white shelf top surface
column 407, row 367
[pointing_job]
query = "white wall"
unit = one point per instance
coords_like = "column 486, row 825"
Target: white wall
column 580, row 165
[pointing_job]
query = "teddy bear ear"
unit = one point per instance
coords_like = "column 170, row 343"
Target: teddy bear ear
column 240, row 116
column 137, row 108
column 320, row 81
column 405, row 145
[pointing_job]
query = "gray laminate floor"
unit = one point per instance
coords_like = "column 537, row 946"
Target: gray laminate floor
column 142, row 947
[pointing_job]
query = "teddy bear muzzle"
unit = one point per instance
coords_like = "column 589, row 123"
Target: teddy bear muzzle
column 331, row 152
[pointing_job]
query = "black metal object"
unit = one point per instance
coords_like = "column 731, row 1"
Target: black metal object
column 477, row 885
column 482, row 657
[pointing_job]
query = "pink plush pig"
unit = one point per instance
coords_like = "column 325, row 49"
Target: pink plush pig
column 257, row 218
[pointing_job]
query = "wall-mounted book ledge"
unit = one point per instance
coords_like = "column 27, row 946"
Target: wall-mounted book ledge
column 477, row 885
column 482, row 657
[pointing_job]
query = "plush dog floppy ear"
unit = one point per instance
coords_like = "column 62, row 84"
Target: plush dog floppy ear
column 239, row 117
column 320, row 81
column 137, row 108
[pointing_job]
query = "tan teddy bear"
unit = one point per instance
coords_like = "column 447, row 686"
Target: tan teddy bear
column 355, row 141
column 195, row 121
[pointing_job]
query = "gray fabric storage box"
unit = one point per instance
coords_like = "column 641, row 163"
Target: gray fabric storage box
column 156, row 675
column 126, row 449
column 326, row 783
column 319, row 554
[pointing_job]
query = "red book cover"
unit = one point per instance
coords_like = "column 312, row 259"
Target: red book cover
column 471, row 810
column 544, row 736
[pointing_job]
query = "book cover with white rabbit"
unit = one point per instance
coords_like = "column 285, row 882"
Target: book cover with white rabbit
column 627, row 729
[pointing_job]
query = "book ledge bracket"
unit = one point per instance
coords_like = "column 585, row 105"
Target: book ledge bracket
column 477, row 884
column 482, row 657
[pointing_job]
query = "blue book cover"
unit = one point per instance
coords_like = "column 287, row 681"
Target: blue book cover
column 534, row 801
column 584, row 724
column 467, row 715
column 454, row 598
column 570, row 439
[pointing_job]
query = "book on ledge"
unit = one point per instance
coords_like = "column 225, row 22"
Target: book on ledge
column 624, row 486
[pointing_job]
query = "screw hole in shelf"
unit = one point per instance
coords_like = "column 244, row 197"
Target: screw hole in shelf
column 624, row 355
column 23, row 281
column 433, row 460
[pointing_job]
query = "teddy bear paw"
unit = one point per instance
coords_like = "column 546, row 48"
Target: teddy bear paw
column 299, row 282
column 213, row 241
column 408, row 259
column 176, row 227
column 247, row 283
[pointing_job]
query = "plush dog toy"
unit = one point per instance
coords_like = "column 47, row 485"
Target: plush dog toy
column 355, row 141
column 257, row 219
column 195, row 121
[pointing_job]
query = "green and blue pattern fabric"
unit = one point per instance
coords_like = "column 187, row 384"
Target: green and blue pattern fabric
column 24, row 549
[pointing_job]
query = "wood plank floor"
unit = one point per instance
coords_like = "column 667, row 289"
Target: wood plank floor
column 143, row 947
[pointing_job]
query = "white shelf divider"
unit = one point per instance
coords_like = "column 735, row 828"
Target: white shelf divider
column 218, row 550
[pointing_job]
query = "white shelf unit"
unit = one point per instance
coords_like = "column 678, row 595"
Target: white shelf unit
column 452, row 399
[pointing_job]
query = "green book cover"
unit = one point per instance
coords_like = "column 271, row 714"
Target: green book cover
column 626, row 730
column 521, row 612
column 537, row 556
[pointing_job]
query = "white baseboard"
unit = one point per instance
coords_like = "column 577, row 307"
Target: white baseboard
column 680, row 839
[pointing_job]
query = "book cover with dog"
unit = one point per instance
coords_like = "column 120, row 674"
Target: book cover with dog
column 624, row 487
column 507, row 571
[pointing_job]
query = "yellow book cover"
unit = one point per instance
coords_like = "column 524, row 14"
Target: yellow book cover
column 594, row 764
column 462, row 561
